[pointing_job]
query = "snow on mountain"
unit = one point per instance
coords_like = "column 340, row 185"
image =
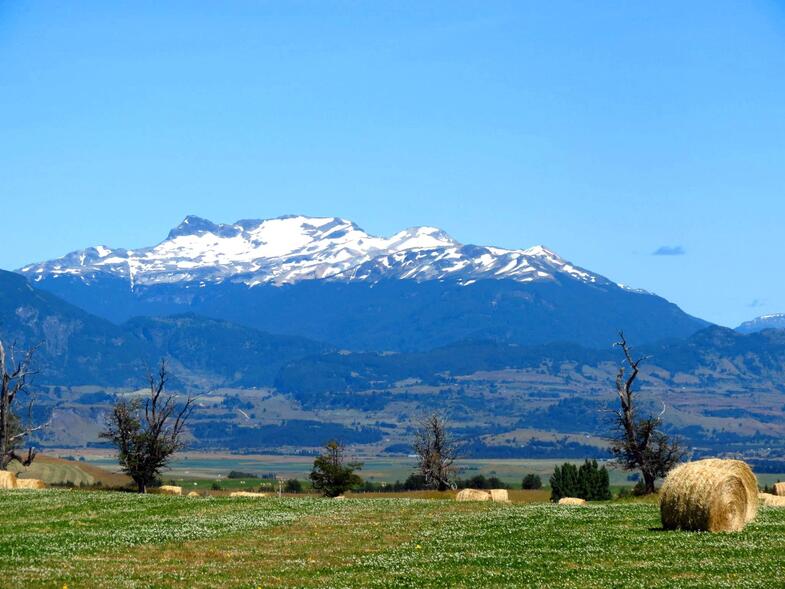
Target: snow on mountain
column 772, row 321
column 290, row 249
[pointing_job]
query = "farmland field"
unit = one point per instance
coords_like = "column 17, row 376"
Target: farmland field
column 105, row 539
column 204, row 467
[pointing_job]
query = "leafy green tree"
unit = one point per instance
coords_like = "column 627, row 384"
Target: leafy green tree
column 594, row 482
column 331, row 475
column 564, row 482
column 531, row 481
column 589, row 481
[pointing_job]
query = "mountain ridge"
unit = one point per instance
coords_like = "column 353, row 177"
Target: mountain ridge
column 325, row 279
column 770, row 321
column 292, row 248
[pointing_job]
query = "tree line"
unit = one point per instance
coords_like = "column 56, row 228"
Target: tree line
column 148, row 430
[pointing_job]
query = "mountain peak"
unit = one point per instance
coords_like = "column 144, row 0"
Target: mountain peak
column 293, row 248
column 770, row 321
column 194, row 225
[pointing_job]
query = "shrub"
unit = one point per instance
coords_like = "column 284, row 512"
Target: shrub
column 415, row 482
column 481, row 482
column 293, row 486
column 216, row 487
column 236, row 474
column 531, row 481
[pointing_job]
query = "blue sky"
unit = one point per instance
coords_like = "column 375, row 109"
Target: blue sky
column 606, row 131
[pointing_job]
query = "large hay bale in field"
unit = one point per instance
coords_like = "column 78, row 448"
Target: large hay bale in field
column 170, row 490
column 193, row 494
column 472, row 495
column 247, row 494
column 30, row 484
column 500, row 495
column 709, row 495
column 779, row 489
column 339, row 497
column 741, row 469
column 7, row 480
column 572, row 501
column 770, row 500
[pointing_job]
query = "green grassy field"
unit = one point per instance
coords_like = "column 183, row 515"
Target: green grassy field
column 104, row 539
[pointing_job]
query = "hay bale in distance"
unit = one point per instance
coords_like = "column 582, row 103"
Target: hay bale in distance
column 193, row 494
column 472, row 495
column 770, row 500
column 7, row 480
column 30, row 484
column 779, row 489
column 339, row 497
column 709, row 495
column 170, row 490
column 247, row 494
column 500, row 495
column 572, row 501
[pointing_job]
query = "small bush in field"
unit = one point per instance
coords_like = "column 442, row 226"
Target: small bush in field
column 531, row 481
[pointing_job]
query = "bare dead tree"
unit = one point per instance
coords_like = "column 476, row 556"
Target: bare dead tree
column 436, row 452
column 640, row 444
column 14, row 380
column 147, row 433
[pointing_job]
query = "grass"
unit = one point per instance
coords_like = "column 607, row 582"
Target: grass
column 104, row 539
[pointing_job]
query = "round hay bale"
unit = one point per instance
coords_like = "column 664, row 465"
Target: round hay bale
column 709, row 495
column 170, row 490
column 572, row 501
column 247, row 494
column 7, row 480
column 741, row 469
column 193, row 494
column 779, row 489
column 30, row 484
column 473, row 495
column 500, row 495
column 339, row 497
column 770, row 500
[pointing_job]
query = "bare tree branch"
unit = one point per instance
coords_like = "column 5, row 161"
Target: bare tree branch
column 13, row 382
column 146, row 434
column 638, row 444
column 436, row 452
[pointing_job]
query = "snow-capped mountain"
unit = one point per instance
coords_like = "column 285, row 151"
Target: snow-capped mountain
column 290, row 249
column 772, row 321
column 326, row 279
